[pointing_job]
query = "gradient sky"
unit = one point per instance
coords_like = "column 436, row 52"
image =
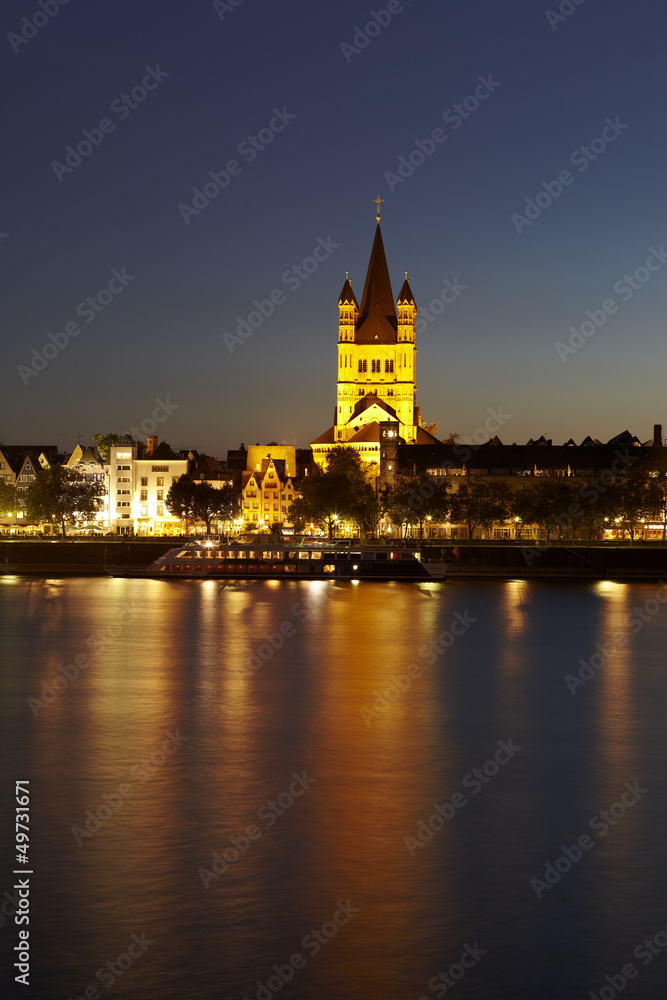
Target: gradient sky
column 356, row 113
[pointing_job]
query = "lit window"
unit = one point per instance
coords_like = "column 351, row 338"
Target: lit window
column 160, row 480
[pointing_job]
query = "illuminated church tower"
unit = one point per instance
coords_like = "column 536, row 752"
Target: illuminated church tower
column 376, row 392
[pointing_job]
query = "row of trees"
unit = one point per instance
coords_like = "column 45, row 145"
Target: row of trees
column 344, row 492
column 58, row 495
column 63, row 496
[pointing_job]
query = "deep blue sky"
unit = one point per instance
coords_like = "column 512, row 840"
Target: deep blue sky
column 162, row 337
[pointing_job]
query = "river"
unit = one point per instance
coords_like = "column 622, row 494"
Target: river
column 335, row 791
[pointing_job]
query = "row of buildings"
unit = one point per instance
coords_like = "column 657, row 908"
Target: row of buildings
column 376, row 414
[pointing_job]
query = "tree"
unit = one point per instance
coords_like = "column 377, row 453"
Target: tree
column 633, row 499
column 9, row 501
column 658, row 499
column 339, row 493
column 480, row 503
column 64, row 494
column 180, row 500
column 211, row 503
column 104, row 442
column 199, row 501
column 417, row 499
column 545, row 502
column 431, row 428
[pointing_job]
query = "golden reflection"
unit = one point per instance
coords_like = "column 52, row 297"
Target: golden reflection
column 613, row 661
column 371, row 791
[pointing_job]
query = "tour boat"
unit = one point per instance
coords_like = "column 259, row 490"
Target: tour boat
column 265, row 556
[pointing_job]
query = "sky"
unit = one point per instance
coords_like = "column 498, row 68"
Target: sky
column 533, row 199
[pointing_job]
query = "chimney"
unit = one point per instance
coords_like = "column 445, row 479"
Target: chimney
column 657, row 435
column 151, row 443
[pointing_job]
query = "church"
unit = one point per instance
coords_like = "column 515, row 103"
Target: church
column 376, row 395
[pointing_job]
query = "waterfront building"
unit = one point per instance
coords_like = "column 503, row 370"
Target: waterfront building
column 376, row 372
column 268, row 488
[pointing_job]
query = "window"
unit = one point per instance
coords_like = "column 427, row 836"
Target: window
column 144, row 480
column 275, row 506
column 160, row 494
column 144, row 511
column 275, row 496
column 144, row 495
column 160, row 510
column 289, row 496
column 266, row 506
column 363, row 365
column 123, row 503
column 375, row 365
column 160, row 480
column 389, row 365
column 160, row 468
column 123, row 479
column 122, row 468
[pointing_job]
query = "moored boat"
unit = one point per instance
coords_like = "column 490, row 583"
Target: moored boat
column 268, row 557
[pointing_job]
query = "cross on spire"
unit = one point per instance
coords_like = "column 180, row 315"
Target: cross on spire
column 378, row 201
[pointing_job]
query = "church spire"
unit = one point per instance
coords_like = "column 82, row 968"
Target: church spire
column 377, row 313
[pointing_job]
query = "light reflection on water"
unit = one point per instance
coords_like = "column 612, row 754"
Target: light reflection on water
column 201, row 702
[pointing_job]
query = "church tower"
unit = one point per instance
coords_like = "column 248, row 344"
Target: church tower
column 376, row 364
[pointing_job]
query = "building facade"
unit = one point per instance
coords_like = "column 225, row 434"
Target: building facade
column 377, row 361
